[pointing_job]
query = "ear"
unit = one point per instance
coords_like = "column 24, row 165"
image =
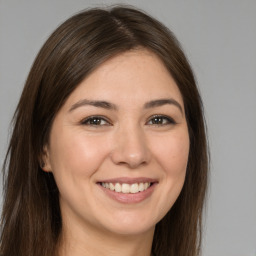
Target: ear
column 44, row 160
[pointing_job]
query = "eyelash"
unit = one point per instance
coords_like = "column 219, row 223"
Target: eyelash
column 156, row 120
column 96, row 119
column 168, row 120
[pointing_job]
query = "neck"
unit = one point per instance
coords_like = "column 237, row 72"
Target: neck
column 81, row 242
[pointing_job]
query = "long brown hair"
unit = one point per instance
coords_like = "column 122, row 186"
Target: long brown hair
column 31, row 218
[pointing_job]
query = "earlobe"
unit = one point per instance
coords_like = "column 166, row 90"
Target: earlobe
column 45, row 160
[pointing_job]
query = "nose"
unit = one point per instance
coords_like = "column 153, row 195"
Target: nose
column 130, row 148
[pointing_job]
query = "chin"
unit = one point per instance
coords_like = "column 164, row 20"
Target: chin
column 131, row 224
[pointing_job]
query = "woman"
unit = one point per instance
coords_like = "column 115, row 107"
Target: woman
column 108, row 153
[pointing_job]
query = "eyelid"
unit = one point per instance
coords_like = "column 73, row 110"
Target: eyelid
column 168, row 118
column 87, row 119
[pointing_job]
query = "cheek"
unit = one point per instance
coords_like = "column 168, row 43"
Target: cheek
column 75, row 154
column 172, row 154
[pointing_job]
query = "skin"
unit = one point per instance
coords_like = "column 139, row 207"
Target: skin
column 124, row 142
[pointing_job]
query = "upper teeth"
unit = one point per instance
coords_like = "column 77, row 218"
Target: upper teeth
column 126, row 188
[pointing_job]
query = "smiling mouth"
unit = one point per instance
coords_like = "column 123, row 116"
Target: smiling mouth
column 127, row 188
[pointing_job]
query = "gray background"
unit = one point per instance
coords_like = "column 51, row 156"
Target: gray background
column 219, row 38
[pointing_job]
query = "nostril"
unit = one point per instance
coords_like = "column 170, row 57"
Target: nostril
column 130, row 148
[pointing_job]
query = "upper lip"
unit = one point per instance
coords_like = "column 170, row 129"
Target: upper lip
column 129, row 180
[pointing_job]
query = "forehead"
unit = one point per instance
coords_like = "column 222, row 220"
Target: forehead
column 135, row 76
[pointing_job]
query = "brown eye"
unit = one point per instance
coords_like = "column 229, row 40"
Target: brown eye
column 95, row 121
column 161, row 120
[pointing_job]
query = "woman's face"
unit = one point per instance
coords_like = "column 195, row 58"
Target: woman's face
column 119, row 147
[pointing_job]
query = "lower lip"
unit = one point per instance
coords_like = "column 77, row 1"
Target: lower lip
column 129, row 198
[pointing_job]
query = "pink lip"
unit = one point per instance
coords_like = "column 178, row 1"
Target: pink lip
column 129, row 198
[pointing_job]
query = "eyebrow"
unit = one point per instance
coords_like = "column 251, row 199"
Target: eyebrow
column 161, row 102
column 94, row 103
column 111, row 106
